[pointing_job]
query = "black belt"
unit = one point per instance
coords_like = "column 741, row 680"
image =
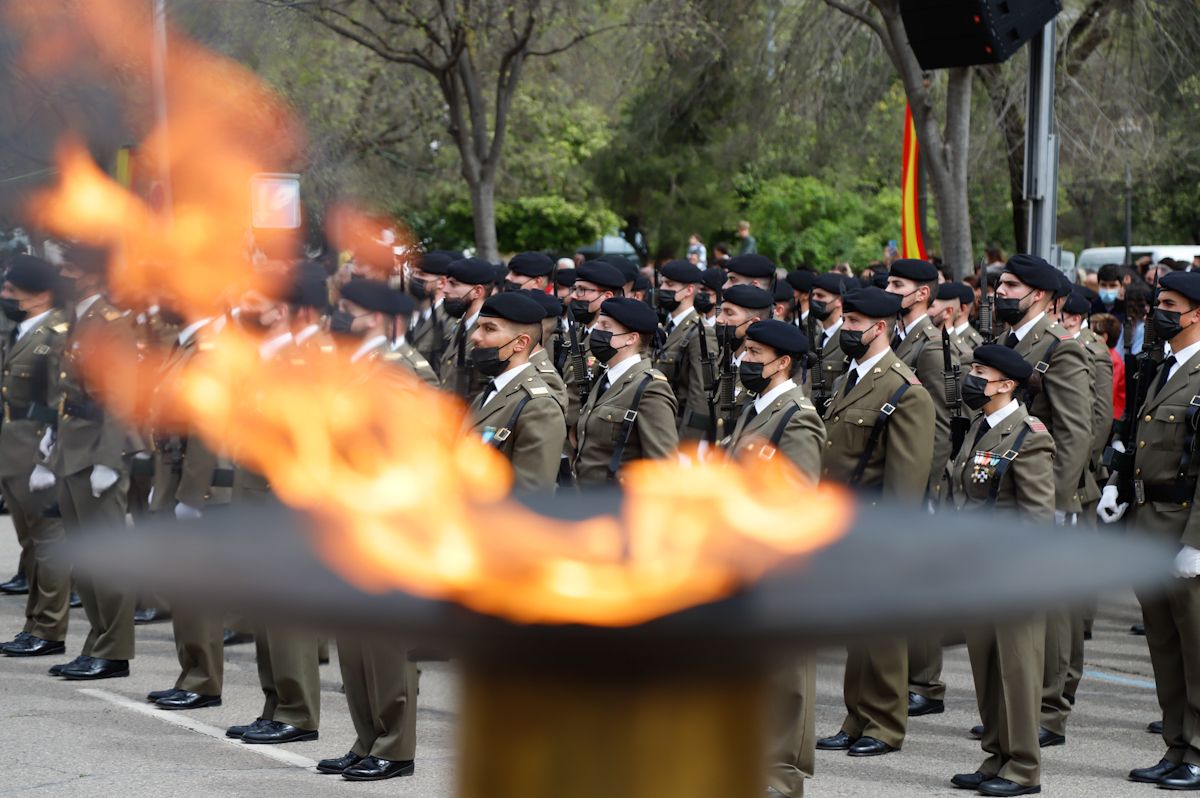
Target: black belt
column 31, row 412
column 695, row 421
column 1164, row 492
column 89, row 411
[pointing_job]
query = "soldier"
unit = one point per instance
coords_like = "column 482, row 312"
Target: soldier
column 1023, row 297
column 878, row 441
column 431, row 325
column 626, row 268
column 1164, row 496
column 630, row 412
column 752, row 270
column 825, row 305
column 708, row 294
column 962, row 320
column 800, row 281
column 944, row 310
column 681, row 356
column 88, row 460
column 31, row 391
column 595, row 283
column 552, row 310
column 564, row 280
column 529, row 270
column 467, row 285
column 1008, row 466
column 379, row 319
column 741, row 306
column 516, row 412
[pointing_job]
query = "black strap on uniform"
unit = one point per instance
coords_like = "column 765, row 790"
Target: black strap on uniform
column 614, row 465
column 1189, row 445
column 1041, row 367
column 504, row 432
column 1006, row 460
column 777, row 435
column 885, row 414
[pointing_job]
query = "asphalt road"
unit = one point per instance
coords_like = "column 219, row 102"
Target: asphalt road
column 74, row 738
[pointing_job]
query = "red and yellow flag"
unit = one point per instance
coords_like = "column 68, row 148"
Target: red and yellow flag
column 912, row 242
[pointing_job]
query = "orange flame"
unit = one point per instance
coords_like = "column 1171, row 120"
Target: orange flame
column 406, row 500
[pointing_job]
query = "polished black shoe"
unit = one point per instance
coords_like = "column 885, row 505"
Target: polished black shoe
column 32, row 646
column 999, row 786
column 339, row 764
column 976, row 732
column 1184, row 777
column 80, row 661
column 869, row 746
column 76, row 602
column 1155, row 727
column 232, row 638
column 919, row 705
column 838, row 742
column 185, row 699
column 17, row 586
column 1138, row 629
column 97, row 669
column 273, row 732
column 1047, row 738
column 150, row 615
column 372, row 768
column 237, row 731
column 969, row 781
column 154, row 695
column 1153, row 774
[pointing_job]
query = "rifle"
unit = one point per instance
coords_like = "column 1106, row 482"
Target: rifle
column 725, row 390
column 708, row 368
column 1140, row 372
column 583, row 382
column 951, row 372
column 463, row 366
column 819, row 389
column 560, row 349
column 986, row 318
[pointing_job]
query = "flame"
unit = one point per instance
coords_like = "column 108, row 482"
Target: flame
column 405, row 499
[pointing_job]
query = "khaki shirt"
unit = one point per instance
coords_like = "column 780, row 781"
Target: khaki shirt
column 534, row 441
column 803, row 437
column 921, row 351
column 681, row 363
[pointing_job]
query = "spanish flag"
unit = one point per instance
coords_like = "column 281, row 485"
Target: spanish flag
column 912, row 239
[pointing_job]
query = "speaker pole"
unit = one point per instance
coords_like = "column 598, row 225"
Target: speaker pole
column 1041, row 146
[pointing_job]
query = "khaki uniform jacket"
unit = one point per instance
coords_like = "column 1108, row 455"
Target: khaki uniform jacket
column 803, row 437
column 99, row 439
column 554, row 381
column 448, row 368
column 653, row 435
column 31, row 392
column 1062, row 404
column 402, row 356
column 1102, row 395
column 968, row 340
column 834, row 362
column 1027, row 487
column 921, row 351
column 534, row 442
column 681, row 363
column 899, row 465
column 429, row 337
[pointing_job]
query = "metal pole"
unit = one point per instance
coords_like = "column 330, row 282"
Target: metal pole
column 1128, row 215
column 158, row 69
column 1041, row 146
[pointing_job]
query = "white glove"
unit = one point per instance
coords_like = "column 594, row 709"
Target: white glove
column 186, row 512
column 1116, row 444
column 42, row 478
column 1187, row 563
column 1109, row 510
column 142, row 456
column 103, row 478
column 46, row 445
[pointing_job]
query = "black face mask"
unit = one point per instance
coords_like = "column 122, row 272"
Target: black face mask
column 509, row 285
column 974, row 390
column 819, row 309
column 486, row 359
column 751, row 375
column 600, row 342
column 727, row 336
column 703, row 303
column 12, row 310
column 418, row 289
column 340, row 323
column 1166, row 323
column 579, row 309
column 1008, row 309
column 456, row 307
column 667, row 300
column 852, row 343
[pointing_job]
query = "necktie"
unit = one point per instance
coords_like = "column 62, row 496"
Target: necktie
column 751, row 412
column 488, row 390
column 670, row 326
column 603, row 386
column 896, row 340
column 1164, row 372
column 824, row 340
column 984, row 426
column 851, row 381
column 13, row 335
column 1012, row 340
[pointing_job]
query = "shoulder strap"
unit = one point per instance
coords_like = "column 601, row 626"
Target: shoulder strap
column 777, row 435
column 1006, row 460
column 885, row 414
column 614, row 465
column 505, row 432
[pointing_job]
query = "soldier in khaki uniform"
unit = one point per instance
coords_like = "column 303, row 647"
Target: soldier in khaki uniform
column 30, row 393
column 552, row 310
column 944, row 310
column 878, row 440
column 1006, row 463
column 825, row 305
column 968, row 336
column 1023, row 299
column 681, row 356
column 430, row 326
column 630, row 412
column 751, row 269
column 800, row 283
column 1164, row 503
column 781, row 422
column 741, row 306
column 379, row 318
column 528, row 271
column 595, row 283
column 468, row 283
column 88, row 459
column 516, row 412
column 708, row 294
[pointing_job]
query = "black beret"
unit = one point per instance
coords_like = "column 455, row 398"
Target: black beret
column 1034, row 272
column 32, row 274
column 783, row 291
column 565, row 277
column 784, row 338
column 874, row 303
column 472, row 271
column 1064, row 286
column 435, row 263
column 513, row 306
column 921, row 271
column 751, row 266
column 499, row 273
column 552, row 306
column 713, row 278
column 948, row 291
column 879, row 280
column 1004, row 360
column 622, row 264
column 834, row 283
column 966, row 294
column 1076, row 304
column 530, row 264
column 307, row 286
column 602, row 274
column 378, row 297
column 86, row 258
column 747, row 296
column 641, row 283
column 1186, row 283
column 681, row 271
column 631, row 313
column 801, row 280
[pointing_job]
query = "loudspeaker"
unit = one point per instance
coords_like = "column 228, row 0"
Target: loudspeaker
column 951, row 33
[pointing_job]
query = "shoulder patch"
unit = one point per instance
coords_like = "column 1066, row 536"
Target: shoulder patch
column 658, row 375
column 1035, row 424
column 538, row 390
column 61, row 329
column 111, row 314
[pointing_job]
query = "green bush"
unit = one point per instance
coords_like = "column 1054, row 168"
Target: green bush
column 544, row 222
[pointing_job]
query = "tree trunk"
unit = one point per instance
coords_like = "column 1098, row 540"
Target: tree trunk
column 483, row 213
column 1012, row 126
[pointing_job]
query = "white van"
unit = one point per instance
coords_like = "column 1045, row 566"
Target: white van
column 1092, row 259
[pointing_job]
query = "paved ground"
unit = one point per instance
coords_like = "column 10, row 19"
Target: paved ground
column 62, row 738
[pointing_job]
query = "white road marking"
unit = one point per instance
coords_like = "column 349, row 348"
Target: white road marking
column 181, row 719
